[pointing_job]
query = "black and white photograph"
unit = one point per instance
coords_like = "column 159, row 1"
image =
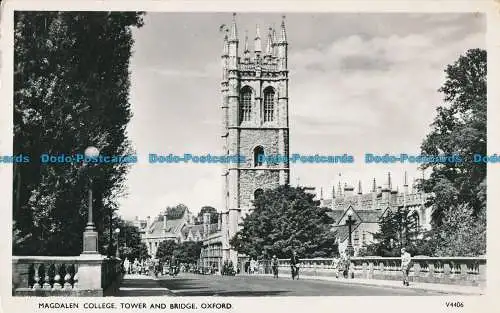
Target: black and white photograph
column 159, row 154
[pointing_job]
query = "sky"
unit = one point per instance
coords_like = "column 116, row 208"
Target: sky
column 358, row 83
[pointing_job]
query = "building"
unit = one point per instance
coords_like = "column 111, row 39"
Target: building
column 366, row 209
column 254, row 91
column 176, row 224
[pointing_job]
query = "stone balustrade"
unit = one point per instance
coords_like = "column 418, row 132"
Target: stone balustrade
column 470, row 271
column 84, row 275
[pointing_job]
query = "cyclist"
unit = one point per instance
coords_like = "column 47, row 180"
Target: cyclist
column 274, row 264
column 295, row 264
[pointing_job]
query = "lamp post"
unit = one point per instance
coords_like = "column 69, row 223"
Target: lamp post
column 90, row 234
column 117, row 231
column 350, row 222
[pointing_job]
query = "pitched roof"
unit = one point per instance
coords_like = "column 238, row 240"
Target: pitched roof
column 173, row 226
column 335, row 214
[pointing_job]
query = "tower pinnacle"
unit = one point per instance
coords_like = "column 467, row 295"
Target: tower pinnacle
column 269, row 48
column 234, row 31
column 257, row 42
column 283, row 30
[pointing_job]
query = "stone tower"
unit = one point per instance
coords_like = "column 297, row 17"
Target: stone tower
column 255, row 122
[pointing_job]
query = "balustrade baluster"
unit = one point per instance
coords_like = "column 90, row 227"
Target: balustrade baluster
column 36, row 277
column 67, row 279
column 57, row 277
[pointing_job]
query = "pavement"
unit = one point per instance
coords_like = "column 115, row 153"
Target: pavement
column 442, row 288
column 192, row 285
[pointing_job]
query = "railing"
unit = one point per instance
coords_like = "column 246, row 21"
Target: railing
column 452, row 270
column 64, row 276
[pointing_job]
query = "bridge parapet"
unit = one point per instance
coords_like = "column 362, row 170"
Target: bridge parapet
column 468, row 271
column 84, row 275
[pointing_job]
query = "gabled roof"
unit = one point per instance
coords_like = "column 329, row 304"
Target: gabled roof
column 335, row 214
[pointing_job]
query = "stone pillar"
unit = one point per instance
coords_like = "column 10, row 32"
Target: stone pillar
column 89, row 274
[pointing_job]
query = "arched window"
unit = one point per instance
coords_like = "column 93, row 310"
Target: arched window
column 257, row 193
column 268, row 104
column 256, row 153
column 416, row 219
column 245, row 104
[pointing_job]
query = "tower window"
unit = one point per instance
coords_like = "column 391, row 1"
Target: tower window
column 256, row 152
column 245, row 104
column 268, row 104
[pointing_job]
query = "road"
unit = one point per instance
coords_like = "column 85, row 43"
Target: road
column 214, row 285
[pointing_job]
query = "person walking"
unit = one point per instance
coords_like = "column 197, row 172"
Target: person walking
column 294, row 265
column 405, row 265
column 126, row 265
column 274, row 265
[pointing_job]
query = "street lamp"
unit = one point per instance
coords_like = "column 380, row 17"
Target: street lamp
column 90, row 234
column 117, row 231
column 350, row 222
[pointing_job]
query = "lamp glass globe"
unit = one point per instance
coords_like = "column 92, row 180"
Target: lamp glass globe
column 91, row 152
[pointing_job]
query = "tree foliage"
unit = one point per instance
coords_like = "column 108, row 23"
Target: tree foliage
column 462, row 233
column 286, row 219
column 185, row 252
column 214, row 216
column 71, row 90
column 459, row 128
column 398, row 228
column 165, row 250
column 129, row 241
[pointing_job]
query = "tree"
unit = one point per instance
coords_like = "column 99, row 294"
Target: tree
column 459, row 128
column 129, row 240
column 166, row 250
column 214, row 216
column 461, row 233
column 176, row 212
column 286, row 219
column 188, row 252
column 398, row 229
column 71, row 87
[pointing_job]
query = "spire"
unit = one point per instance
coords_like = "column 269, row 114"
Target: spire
column 406, row 179
column 321, row 193
column 246, row 52
column 274, row 41
column 360, row 191
column 246, row 42
column 257, row 42
column 226, row 46
column 269, row 49
column 374, row 186
column 339, row 191
column 389, row 184
column 234, row 31
column 333, row 192
column 283, row 30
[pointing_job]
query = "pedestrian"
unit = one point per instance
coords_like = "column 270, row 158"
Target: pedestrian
column 126, row 265
column 294, row 265
column 405, row 265
column 274, row 264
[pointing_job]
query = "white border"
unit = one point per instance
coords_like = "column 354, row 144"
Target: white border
column 261, row 304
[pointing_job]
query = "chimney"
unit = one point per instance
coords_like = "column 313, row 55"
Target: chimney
column 148, row 221
column 165, row 222
column 206, row 223
column 219, row 221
